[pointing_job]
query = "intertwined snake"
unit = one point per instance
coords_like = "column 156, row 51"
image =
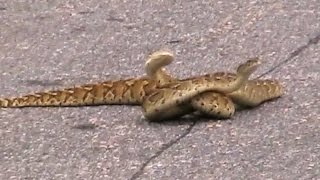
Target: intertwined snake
column 163, row 96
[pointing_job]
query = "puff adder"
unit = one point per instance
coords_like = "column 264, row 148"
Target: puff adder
column 222, row 104
column 161, row 95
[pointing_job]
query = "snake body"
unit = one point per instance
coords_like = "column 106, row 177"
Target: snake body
column 175, row 99
column 161, row 94
column 115, row 92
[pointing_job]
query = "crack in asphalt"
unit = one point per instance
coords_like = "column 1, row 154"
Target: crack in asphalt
column 162, row 149
column 312, row 41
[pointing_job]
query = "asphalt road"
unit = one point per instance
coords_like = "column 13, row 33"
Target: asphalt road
column 64, row 43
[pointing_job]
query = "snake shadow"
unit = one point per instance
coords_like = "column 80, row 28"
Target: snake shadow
column 184, row 120
column 195, row 117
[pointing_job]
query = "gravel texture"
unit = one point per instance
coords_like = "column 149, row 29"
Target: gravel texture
column 54, row 44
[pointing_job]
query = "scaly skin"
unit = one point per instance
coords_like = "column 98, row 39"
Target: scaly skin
column 128, row 91
column 132, row 92
column 173, row 99
column 250, row 94
column 255, row 92
column 223, row 105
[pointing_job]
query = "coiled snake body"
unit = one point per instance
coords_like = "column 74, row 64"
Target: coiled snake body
column 161, row 95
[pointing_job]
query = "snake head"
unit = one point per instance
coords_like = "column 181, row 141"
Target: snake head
column 248, row 67
column 157, row 61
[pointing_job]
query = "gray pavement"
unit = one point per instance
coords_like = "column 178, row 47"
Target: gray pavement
column 62, row 43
